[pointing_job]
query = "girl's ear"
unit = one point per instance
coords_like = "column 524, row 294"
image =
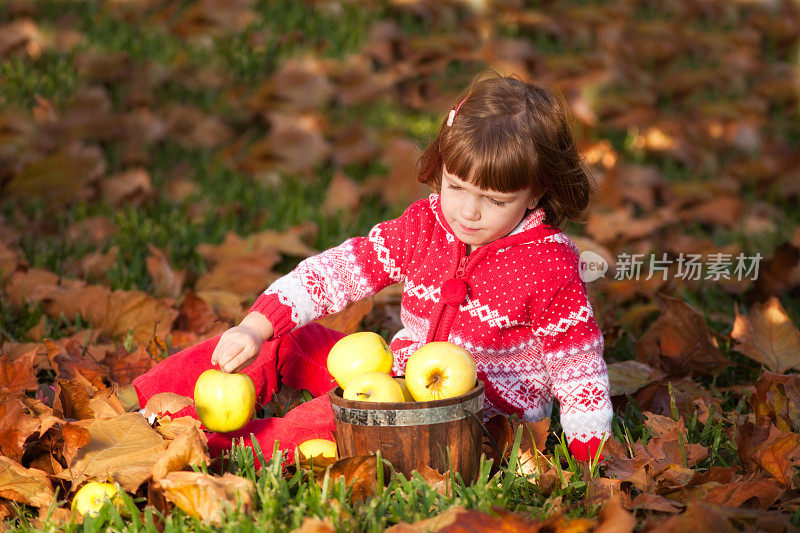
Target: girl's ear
column 534, row 201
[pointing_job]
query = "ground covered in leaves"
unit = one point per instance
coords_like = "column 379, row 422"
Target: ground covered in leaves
column 162, row 161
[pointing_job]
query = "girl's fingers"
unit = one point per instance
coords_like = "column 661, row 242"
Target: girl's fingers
column 227, row 354
column 234, row 363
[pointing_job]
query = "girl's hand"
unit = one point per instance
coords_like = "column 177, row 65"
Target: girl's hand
column 238, row 347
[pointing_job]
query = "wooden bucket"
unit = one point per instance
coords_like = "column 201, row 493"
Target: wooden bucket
column 414, row 434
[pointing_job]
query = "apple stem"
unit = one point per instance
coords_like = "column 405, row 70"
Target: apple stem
column 433, row 381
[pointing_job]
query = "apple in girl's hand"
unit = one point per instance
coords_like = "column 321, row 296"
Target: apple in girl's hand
column 406, row 393
column 440, row 370
column 317, row 448
column 358, row 353
column 373, row 386
column 90, row 498
column 224, row 402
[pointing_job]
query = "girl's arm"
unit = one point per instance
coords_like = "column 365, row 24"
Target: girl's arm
column 327, row 282
column 572, row 348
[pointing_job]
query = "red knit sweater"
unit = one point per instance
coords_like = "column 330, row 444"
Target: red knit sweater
column 516, row 304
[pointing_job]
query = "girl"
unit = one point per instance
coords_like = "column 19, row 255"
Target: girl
column 482, row 263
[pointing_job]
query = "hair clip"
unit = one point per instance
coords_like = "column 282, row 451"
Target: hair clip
column 454, row 112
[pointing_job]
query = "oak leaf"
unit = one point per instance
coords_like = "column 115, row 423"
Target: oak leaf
column 626, row 377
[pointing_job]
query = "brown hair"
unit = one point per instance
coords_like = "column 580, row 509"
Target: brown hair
column 507, row 136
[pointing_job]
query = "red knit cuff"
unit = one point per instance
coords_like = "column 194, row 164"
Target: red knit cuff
column 279, row 314
column 585, row 451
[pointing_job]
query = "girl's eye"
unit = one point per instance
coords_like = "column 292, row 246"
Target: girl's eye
column 495, row 202
column 454, row 187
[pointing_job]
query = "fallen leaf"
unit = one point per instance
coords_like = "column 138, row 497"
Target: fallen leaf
column 343, row 194
column 72, row 400
column 18, row 375
column 196, row 314
column 165, row 403
column 626, row 377
column 25, row 485
column 131, row 187
column 348, row 320
column 679, row 342
column 614, row 518
column 768, row 336
column 188, row 448
column 21, row 37
column 779, row 455
column 122, row 450
column 360, row 473
column 457, row 519
column 753, row 494
column 704, row 516
column 315, row 525
column 168, row 281
column 58, row 178
column 776, row 400
column 208, row 497
column 16, row 425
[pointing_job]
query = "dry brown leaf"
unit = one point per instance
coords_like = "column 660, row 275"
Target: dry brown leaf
column 343, row 194
column 168, row 281
column 627, row 377
column 105, row 404
column 779, row 455
column 614, row 518
column 654, row 502
column 188, row 448
column 72, row 400
column 16, row 425
column 359, row 472
column 131, row 187
column 679, row 342
column 400, row 186
column 207, row 18
column 208, row 497
column 458, row 519
column 24, row 485
column 59, row 178
column 776, row 400
column 172, row 428
column 17, row 375
column 753, row 494
column 438, row 481
column 298, row 83
column 95, row 266
column 145, row 315
column 315, row 525
column 124, row 367
column 348, row 320
column 122, row 449
column 768, row 336
column 21, row 37
column 192, row 128
column 165, row 403
column 704, row 516
column 354, row 144
column 196, row 314
column 295, row 144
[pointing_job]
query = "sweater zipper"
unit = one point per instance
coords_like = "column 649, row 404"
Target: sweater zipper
column 447, row 312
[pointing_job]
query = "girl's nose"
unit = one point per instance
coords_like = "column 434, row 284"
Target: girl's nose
column 470, row 209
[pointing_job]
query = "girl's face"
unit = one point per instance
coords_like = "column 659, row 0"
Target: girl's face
column 479, row 216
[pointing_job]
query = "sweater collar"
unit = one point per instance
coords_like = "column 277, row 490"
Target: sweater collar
column 531, row 228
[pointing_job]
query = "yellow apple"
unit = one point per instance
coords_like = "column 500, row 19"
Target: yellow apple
column 440, row 370
column 90, row 498
column 358, row 353
column 373, row 386
column 317, row 448
column 224, row 402
column 406, row 393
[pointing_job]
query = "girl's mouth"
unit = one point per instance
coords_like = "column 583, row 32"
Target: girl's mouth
column 466, row 229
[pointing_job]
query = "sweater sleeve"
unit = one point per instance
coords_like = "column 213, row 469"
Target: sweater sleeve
column 327, row 282
column 572, row 350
